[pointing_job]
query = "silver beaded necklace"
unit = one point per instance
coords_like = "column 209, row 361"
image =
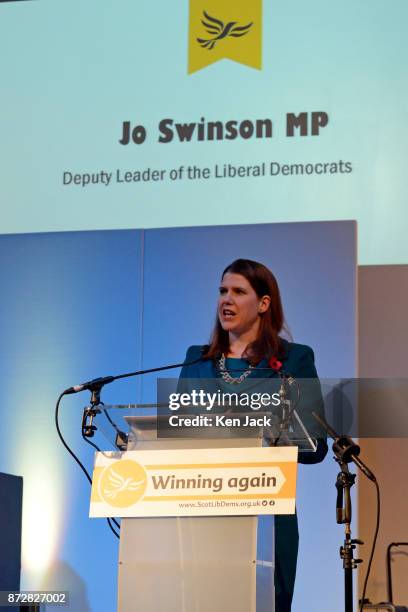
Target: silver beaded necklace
column 226, row 376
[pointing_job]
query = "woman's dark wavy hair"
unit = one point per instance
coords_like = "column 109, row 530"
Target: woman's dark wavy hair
column 268, row 342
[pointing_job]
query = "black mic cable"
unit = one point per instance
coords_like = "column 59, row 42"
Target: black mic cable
column 77, row 460
column 95, row 385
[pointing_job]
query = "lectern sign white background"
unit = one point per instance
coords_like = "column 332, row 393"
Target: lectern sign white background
column 195, row 482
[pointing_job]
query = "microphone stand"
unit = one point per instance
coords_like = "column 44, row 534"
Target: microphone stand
column 345, row 480
column 90, row 412
column 88, row 428
column 345, row 451
column 95, row 387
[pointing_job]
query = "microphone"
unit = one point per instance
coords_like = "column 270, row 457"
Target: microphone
column 96, row 384
column 91, row 385
column 345, row 448
column 287, row 380
column 349, row 450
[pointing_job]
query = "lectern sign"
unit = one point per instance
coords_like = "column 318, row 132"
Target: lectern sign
column 195, row 482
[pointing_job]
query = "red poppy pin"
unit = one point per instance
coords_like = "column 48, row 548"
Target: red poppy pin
column 275, row 364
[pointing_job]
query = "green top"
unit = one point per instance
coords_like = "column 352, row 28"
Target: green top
column 236, row 366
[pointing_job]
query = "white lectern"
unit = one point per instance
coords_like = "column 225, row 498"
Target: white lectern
column 194, row 564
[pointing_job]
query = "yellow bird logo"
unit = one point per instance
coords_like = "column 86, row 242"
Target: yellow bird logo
column 122, row 483
column 219, row 30
column 118, row 484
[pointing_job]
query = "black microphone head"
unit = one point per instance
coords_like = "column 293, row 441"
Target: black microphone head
column 346, row 448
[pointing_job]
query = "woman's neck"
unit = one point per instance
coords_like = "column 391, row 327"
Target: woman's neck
column 239, row 343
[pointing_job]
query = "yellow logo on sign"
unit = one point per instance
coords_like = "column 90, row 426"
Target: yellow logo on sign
column 122, row 483
column 230, row 29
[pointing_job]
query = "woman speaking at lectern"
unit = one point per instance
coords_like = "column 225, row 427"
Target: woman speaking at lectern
column 246, row 344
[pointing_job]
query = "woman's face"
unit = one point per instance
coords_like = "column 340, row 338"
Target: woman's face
column 239, row 307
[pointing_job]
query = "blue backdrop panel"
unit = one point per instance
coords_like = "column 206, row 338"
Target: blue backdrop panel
column 315, row 265
column 313, row 262
column 70, row 310
column 78, row 305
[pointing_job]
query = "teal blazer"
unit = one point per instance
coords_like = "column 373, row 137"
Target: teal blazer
column 297, row 360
